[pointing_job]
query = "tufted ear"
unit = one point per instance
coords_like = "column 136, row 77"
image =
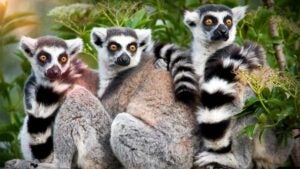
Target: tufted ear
column 75, row 46
column 191, row 18
column 27, row 46
column 144, row 37
column 98, row 35
column 238, row 13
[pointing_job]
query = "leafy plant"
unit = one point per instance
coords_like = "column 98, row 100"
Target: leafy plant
column 12, row 22
column 12, row 113
column 276, row 104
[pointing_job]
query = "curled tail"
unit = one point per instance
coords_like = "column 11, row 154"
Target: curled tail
column 178, row 62
column 221, row 93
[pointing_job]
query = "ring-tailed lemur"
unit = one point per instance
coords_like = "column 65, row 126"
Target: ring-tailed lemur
column 119, row 49
column 55, row 70
column 215, row 59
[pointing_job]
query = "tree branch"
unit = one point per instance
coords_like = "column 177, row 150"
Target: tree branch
column 278, row 47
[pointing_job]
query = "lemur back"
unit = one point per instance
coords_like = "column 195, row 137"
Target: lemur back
column 55, row 69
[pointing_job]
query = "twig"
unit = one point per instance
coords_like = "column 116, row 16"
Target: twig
column 278, row 47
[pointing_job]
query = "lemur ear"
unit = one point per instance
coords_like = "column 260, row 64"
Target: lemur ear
column 28, row 45
column 191, row 18
column 144, row 37
column 238, row 13
column 74, row 46
column 98, row 36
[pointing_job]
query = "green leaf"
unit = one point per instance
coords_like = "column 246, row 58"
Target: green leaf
column 6, row 137
column 266, row 93
column 9, row 39
column 249, row 131
column 263, row 119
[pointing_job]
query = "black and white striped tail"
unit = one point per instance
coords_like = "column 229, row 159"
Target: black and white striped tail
column 179, row 63
column 219, row 94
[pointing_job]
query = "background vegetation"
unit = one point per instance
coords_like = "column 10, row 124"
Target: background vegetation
column 75, row 18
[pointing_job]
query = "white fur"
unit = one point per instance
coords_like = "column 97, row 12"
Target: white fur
column 28, row 42
column 74, row 46
column 183, row 74
column 191, row 16
column 165, row 48
column 205, row 115
column 40, row 137
column 25, row 140
column 216, row 84
column 238, row 13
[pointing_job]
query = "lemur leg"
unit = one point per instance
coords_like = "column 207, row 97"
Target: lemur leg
column 268, row 153
column 139, row 145
column 82, row 126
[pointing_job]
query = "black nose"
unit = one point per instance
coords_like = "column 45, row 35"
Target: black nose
column 53, row 73
column 221, row 33
column 123, row 60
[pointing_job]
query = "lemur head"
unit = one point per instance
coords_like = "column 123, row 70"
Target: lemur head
column 214, row 23
column 50, row 56
column 120, row 47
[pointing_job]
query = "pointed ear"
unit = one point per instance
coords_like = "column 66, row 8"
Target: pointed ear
column 28, row 45
column 238, row 13
column 75, row 46
column 144, row 37
column 191, row 19
column 98, row 35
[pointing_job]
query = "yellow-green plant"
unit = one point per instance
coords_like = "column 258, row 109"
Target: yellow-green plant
column 275, row 104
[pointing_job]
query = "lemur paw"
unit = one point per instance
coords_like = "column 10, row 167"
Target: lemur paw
column 204, row 158
column 17, row 164
column 160, row 64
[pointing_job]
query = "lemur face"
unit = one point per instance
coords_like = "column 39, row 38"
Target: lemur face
column 120, row 47
column 214, row 23
column 50, row 56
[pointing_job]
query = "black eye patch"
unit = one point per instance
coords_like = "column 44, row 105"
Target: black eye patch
column 207, row 17
column 43, row 54
column 209, row 22
column 132, row 47
column 113, row 46
column 228, row 21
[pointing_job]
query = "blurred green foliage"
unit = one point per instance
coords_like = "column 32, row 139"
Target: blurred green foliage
column 75, row 18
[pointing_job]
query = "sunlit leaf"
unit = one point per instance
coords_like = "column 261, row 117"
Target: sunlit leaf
column 16, row 16
column 16, row 24
column 3, row 6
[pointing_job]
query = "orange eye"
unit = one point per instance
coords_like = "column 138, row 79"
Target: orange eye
column 42, row 58
column 208, row 22
column 228, row 22
column 63, row 59
column 132, row 48
column 113, row 47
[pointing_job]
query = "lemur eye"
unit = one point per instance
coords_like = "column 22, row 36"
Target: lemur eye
column 113, row 47
column 132, row 48
column 208, row 22
column 228, row 22
column 63, row 59
column 43, row 58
